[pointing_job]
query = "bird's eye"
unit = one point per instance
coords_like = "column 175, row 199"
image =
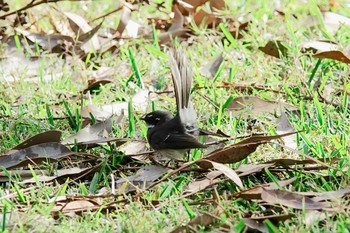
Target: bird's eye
column 157, row 119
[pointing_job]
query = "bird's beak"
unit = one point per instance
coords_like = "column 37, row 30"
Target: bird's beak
column 143, row 117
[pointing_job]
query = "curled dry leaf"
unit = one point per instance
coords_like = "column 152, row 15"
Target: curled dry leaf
column 332, row 195
column 36, row 153
column 256, row 191
column 202, row 184
column 206, row 219
column 256, row 106
column 227, row 171
column 44, row 137
column 90, row 133
column 290, row 199
column 141, row 179
column 247, row 169
column 332, row 21
column 284, row 126
column 98, row 114
column 48, row 42
column 137, row 150
column 275, row 49
column 256, row 225
column 239, row 151
column 212, row 67
column 59, row 174
column 72, row 207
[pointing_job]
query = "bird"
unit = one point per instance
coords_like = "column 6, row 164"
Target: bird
column 170, row 135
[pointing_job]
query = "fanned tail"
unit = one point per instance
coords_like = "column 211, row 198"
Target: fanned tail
column 182, row 75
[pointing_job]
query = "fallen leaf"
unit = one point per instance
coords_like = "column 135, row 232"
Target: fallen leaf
column 212, row 67
column 203, row 18
column 247, row 169
column 256, row 191
column 239, row 151
column 334, row 55
column 290, row 199
column 319, row 46
column 332, row 195
column 36, row 153
column 203, row 220
column 90, row 133
column 59, row 174
column 141, row 179
column 124, row 19
column 256, row 225
column 332, row 21
column 202, row 184
column 227, row 171
column 275, row 49
column 47, row 41
column 284, row 126
column 256, row 106
column 44, row 137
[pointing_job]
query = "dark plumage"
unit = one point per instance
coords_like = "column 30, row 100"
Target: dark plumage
column 168, row 133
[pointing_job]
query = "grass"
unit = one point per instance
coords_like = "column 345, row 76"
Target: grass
column 28, row 108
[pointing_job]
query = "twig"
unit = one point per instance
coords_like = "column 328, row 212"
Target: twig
column 32, row 4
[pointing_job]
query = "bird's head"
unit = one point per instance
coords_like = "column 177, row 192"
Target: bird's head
column 156, row 118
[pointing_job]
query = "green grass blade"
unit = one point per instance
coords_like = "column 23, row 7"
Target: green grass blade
column 136, row 69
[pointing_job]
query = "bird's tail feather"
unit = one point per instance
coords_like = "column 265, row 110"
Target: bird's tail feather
column 182, row 74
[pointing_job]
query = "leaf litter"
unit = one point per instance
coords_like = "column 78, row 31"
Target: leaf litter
column 87, row 39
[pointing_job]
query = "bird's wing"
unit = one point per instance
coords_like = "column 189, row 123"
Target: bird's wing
column 176, row 140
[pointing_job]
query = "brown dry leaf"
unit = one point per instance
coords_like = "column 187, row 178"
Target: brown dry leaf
column 319, row 46
column 175, row 30
column 227, row 171
column 178, row 20
column 48, row 42
column 124, row 19
column 95, row 84
column 237, row 28
column 74, row 206
column 205, row 19
column 44, row 137
column 328, row 50
column 290, row 199
column 203, row 220
column 102, row 141
column 332, row 195
column 36, row 153
column 137, row 150
column 169, row 36
column 256, row 106
column 273, row 218
column 90, row 133
column 247, row 169
column 239, row 151
column 212, row 67
column 188, row 6
column 141, row 179
column 334, row 55
column 217, row 4
column 255, row 192
column 202, row 184
column 256, row 225
column 284, row 126
column 275, row 49
column 332, row 21
column 84, row 32
column 93, row 109
column 59, row 174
